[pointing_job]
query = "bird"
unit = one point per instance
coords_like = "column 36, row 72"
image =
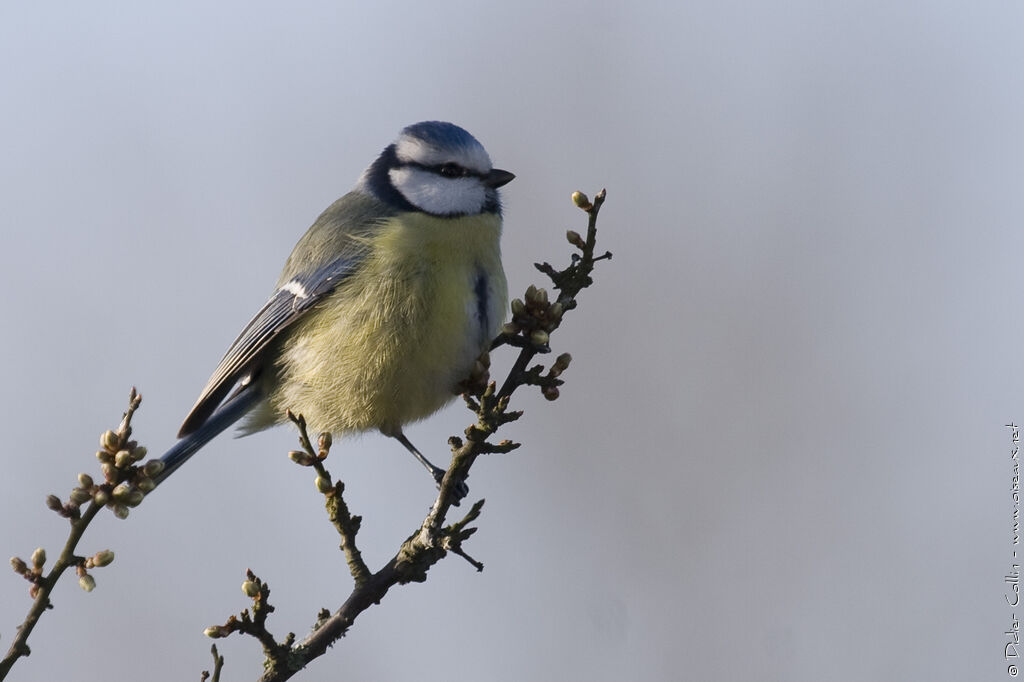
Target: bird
column 382, row 309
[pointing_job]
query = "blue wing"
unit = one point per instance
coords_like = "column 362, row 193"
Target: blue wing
column 245, row 358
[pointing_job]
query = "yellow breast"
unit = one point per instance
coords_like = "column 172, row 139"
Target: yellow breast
column 390, row 345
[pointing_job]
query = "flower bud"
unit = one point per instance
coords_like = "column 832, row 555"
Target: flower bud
column 216, row 632
column 38, row 558
column 19, row 565
column 109, row 471
column 135, row 497
column 146, row 485
column 109, row 441
column 550, row 392
column 120, row 493
column 85, row 480
column 518, row 307
column 301, row 458
column 121, row 511
column 581, row 200
column 539, row 337
column 101, row 497
column 103, row 558
column 87, row 582
column 250, row 588
column 139, row 453
column 574, row 238
column 80, row 496
column 323, row 484
column 122, row 459
column 153, row 467
column 54, row 503
column 103, row 456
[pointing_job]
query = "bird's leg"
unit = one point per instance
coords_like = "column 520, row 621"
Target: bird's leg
column 435, row 471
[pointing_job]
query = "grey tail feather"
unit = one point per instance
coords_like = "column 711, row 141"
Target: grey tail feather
column 233, row 409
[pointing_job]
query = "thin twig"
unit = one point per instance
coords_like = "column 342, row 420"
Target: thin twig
column 338, row 512
column 126, row 481
column 533, row 321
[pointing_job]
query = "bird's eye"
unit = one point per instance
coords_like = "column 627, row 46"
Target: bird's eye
column 451, row 170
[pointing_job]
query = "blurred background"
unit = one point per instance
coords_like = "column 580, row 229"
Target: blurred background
column 781, row 451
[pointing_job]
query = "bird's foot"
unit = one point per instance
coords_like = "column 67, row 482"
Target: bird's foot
column 461, row 490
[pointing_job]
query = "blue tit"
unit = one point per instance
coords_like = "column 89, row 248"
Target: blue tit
column 382, row 308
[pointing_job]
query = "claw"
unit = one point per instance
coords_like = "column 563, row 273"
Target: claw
column 461, row 490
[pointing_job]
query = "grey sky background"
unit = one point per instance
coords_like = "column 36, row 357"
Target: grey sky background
column 781, row 451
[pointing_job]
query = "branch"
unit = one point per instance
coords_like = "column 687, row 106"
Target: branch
column 126, row 480
column 218, row 665
column 344, row 522
column 533, row 321
column 126, row 483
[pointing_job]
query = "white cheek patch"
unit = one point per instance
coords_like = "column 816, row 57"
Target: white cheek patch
column 438, row 195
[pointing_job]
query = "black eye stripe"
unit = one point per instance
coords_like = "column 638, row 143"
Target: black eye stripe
column 446, row 170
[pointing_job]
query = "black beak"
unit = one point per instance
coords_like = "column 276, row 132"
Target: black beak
column 497, row 177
